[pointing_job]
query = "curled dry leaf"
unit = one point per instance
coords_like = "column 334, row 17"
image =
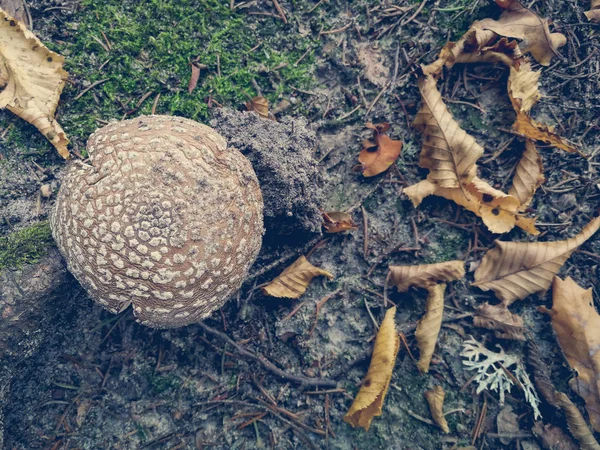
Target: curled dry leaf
column 514, row 270
column 378, row 155
column 435, row 398
column 294, row 280
column 541, row 373
column 577, row 327
column 429, row 326
column 498, row 318
column 425, row 275
column 260, row 105
column 33, row 79
column 576, row 423
column 528, row 176
column 336, row 222
column 593, row 14
column 369, row 400
column 529, row 128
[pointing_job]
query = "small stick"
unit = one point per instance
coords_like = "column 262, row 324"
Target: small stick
column 91, row 86
column 366, row 232
column 155, row 104
column 337, row 30
column 280, row 11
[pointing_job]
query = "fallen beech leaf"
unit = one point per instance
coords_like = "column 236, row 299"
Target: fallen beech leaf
column 378, row 155
column 193, row 78
column 593, row 14
column 294, row 280
column 576, row 423
column 33, row 79
column 435, row 398
column 577, row 327
column 508, row 424
column 425, row 275
column 429, row 326
column 369, row 400
column 523, row 87
column 336, row 222
column 514, row 270
column 260, row 105
column 528, row 176
column 498, row 318
column 529, row 128
column 521, row 23
column 448, row 151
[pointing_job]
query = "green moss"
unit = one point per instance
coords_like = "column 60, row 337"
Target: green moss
column 25, row 246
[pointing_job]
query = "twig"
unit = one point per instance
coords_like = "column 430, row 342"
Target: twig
column 279, row 10
column 91, row 86
column 416, row 13
column 302, row 380
column 155, row 104
column 320, row 304
column 337, row 30
column 365, row 232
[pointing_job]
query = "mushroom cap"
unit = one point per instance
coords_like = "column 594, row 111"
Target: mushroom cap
column 165, row 217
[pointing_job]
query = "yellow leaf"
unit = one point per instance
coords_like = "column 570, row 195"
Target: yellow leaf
column 425, row 275
column 435, row 398
column 514, row 270
column 529, row 128
column 593, row 15
column 369, row 400
column 429, row 326
column 33, row 79
column 528, row 176
column 336, row 222
column 523, row 87
column 576, row 423
column 577, row 327
column 294, row 280
column 378, row 155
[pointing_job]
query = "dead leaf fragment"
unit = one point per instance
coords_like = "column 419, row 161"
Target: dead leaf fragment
column 593, row 15
column 498, row 318
column 428, row 328
column 33, row 79
column 577, row 327
column 294, row 280
column 553, row 438
column 378, row 155
column 194, row 77
column 523, row 87
column 337, row 222
column 528, row 176
column 260, row 105
column 576, row 423
column 508, row 424
column 514, row 270
column 529, row 128
column 435, row 398
column 373, row 62
column 369, row 400
column 425, row 275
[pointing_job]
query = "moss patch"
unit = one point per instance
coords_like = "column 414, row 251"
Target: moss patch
column 25, row 246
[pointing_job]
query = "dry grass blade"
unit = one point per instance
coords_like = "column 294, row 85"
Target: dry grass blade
column 369, row 400
column 576, row 423
column 426, row 275
column 435, row 398
column 429, row 326
column 528, row 176
column 577, row 327
column 514, row 270
column 498, row 318
column 294, row 280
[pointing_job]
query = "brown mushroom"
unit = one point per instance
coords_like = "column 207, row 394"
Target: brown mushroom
column 165, row 217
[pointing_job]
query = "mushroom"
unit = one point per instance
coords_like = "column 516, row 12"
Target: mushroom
column 165, row 217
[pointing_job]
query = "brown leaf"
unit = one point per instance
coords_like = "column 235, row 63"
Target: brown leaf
column 33, row 79
column 435, row 398
column 508, row 424
column 541, row 373
column 429, row 326
column 378, row 155
column 528, row 176
column 497, row 317
column 521, row 23
column 576, row 423
column 577, row 327
column 373, row 62
column 294, row 280
column 448, row 151
column 514, row 270
column 529, row 128
column 17, row 10
column 553, row 438
column 260, row 105
column 336, row 222
column 593, row 15
column 425, row 275
column 369, row 400
column 193, row 78
column 523, row 87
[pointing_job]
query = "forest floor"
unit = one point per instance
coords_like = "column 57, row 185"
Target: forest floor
column 105, row 381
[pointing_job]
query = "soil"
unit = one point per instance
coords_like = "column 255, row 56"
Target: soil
column 77, row 377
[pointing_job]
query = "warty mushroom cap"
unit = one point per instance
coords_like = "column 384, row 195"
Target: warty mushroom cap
column 165, row 217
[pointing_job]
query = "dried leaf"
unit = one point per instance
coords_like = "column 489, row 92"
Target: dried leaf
column 294, row 280
column 577, row 327
column 193, row 78
column 541, row 373
column 336, row 222
column 521, row 23
column 369, row 400
column 17, row 10
column 373, row 61
column 260, row 105
column 33, row 79
column 523, row 87
column 529, row 128
column 528, row 176
column 429, row 326
column 508, row 424
column 553, row 438
column 448, row 151
column 425, row 275
column 497, row 317
column 378, row 155
column 514, row 270
column 576, row 423
column 435, row 398
column 593, row 14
